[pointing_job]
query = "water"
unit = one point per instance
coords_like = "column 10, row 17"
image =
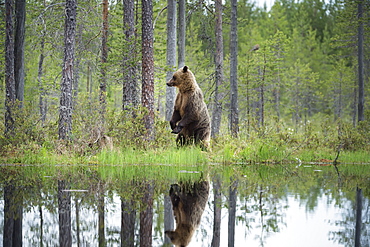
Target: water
column 311, row 206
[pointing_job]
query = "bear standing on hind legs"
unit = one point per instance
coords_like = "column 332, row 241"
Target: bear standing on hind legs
column 190, row 118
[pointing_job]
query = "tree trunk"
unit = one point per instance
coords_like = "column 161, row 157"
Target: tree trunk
column 127, row 223
column 234, row 112
column 181, row 34
column 78, row 223
column 18, row 225
column 217, row 203
column 296, row 101
column 338, row 98
column 248, row 97
column 147, row 96
column 146, row 215
column 8, row 215
column 354, row 103
column 42, row 99
column 171, row 56
column 20, row 19
column 9, row 70
column 13, row 215
column 361, row 98
column 261, row 115
column 101, row 219
column 261, row 105
column 64, row 212
column 41, row 236
column 217, row 110
column 276, row 96
column 276, row 89
column 232, row 212
column 168, row 218
column 103, row 70
column 65, row 111
column 358, row 218
column 130, row 84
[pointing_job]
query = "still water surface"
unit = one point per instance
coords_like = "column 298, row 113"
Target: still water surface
column 310, row 208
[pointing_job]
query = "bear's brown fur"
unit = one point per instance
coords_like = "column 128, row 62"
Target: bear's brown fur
column 190, row 118
column 188, row 203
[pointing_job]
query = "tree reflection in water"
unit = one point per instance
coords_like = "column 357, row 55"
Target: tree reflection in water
column 13, row 213
column 128, row 215
column 217, row 205
column 64, row 211
column 85, row 207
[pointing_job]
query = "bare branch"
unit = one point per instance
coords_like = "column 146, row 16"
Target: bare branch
column 160, row 12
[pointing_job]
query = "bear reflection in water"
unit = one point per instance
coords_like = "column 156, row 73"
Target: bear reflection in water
column 188, row 203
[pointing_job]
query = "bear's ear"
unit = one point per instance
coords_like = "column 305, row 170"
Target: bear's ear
column 185, row 69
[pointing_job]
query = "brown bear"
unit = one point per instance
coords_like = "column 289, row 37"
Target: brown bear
column 188, row 203
column 190, row 118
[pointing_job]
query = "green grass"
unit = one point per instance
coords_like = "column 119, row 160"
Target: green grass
column 43, row 156
column 173, row 156
column 222, row 153
column 354, row 157
column 258, row 146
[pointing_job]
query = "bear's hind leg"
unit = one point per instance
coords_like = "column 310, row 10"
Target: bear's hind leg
column 201, row 138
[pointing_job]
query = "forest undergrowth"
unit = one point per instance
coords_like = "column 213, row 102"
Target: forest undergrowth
column 121, row 142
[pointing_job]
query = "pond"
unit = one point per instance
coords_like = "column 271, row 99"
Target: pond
column 214, row 205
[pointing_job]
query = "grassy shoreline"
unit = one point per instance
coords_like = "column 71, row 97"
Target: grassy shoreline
column 265, row 145
column 191, row 156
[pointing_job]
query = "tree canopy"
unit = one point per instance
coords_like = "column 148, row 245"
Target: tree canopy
column 296, row 62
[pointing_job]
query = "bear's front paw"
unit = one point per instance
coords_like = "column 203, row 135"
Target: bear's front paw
column 177, row 130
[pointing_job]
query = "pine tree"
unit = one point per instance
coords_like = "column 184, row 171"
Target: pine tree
column 104, row 57
column 9, row 71
column 65, row 110
column 20, row 20
column 147, row 96
column 234, row 113
column 131, row 97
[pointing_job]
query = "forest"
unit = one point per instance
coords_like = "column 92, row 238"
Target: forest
column 82, row 76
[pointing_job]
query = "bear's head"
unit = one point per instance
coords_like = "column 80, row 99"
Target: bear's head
column 183, row 79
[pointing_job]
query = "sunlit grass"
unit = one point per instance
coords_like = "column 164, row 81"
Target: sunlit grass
column 172, row 156
column 354, row 157
column 226, row 153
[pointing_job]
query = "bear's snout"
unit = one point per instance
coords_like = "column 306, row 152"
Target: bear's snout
column 170, row 84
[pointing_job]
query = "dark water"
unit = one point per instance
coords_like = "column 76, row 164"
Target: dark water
column 244, row 206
